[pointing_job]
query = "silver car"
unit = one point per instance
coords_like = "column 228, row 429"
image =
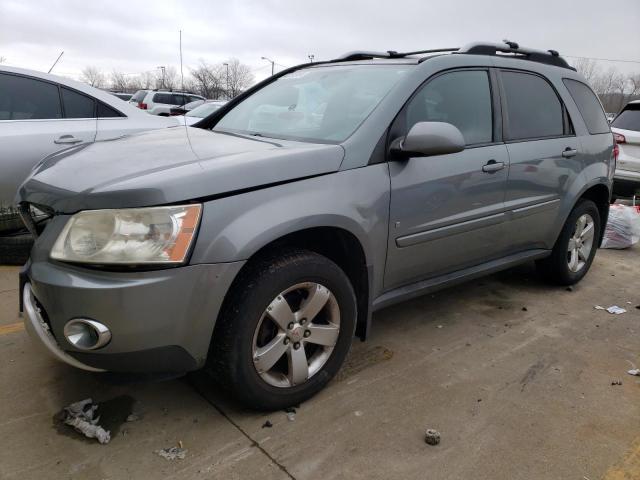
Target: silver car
column 259, row 243
column 626, row 131
column 41, row 114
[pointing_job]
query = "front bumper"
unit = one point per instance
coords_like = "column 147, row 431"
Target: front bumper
column 161, row 321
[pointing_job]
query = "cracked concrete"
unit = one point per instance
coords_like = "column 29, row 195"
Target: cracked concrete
column 517, row 393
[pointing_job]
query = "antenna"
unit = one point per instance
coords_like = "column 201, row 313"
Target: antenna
column 181, row 73
column 54, row 63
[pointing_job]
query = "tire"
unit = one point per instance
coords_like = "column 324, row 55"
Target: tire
column 557, row 268
column 15, row 249
column 245, row 328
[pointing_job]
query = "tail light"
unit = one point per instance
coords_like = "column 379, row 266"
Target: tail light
column 619, row 138
column 616, row 152
column 142, row 106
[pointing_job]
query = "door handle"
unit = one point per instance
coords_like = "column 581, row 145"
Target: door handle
column 492, row 166
column 569, row 152
column 66, row 140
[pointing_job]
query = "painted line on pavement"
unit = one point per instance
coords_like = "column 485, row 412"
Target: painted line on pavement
column 11, row 328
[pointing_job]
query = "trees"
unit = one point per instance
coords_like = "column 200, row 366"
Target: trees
column 93, row 76
column 614, row 88
column 240, row 77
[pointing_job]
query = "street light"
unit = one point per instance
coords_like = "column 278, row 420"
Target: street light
column 161, row 67
column 311, row 57
column 271, row 62
column 228, row 95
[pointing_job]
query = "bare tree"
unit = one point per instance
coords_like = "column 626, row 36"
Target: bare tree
column 588, row 68
column 3, row 59
column 93, row 76
column 240, row 77
column 207, row 80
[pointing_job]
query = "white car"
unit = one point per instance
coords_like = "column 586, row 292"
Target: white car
column 41, row 114
column 626, row 131
column 202, row 111
column 160, row 102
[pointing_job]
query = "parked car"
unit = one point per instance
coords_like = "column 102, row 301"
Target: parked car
column 160, row 102
column 261, row 242
column 122, row 96
column 41, row 114
column 202, row 111
column 626, row 131
column 182, row 109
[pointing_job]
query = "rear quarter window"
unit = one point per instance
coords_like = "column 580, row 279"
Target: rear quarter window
column 163, row 98
column 588, row 105
column 139, row 95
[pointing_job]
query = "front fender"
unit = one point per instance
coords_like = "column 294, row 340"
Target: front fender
column 234, row 228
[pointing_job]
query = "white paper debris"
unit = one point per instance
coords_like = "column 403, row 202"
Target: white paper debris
column 616, row 310
column 172, row 453
column 634, row 371
column 598, row 307
column 80, row 415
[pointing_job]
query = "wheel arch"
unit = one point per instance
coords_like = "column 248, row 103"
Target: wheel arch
column 599, row 194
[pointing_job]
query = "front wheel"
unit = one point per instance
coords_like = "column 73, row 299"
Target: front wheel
column 285, row 330
column 576, row 246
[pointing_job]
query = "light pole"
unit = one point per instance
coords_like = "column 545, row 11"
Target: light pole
column 228, row 94
column 271, row 62
column 311, row 57
column 161, row 67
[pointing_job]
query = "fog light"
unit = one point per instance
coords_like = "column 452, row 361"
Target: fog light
column 86, row 334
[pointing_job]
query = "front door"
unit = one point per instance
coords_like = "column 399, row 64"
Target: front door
column 447, row 211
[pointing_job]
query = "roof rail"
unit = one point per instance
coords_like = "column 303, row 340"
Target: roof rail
column 366, row 55
column 549, row 57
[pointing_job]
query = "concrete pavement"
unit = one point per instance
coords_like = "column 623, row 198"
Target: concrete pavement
column 516, row 375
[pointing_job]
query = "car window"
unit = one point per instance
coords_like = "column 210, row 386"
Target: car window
column 533, row 107
column 203, row 110
column 163, row 98
column 23, row 98
column 139, row 96
column 588, row 105
column 324, row 104
column 77, row 105
column 178, row 99
column 193, row 99
column 461, row 98
column 629, row 118
column 105, row 111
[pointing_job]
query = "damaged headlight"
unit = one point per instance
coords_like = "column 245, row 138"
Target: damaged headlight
column 128, row 236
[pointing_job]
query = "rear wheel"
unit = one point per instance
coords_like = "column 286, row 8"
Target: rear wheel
column 285, row 331
column 576, row 246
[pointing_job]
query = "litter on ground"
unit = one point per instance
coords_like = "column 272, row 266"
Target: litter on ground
column 83, row 417
column 634, row 371
column 432, row 437
column 616, row 310
column 172, row 453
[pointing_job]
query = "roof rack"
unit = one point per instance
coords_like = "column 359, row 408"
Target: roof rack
column 366, row 55
column 549, row 57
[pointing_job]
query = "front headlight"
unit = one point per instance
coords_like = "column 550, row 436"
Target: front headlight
column 128, row 236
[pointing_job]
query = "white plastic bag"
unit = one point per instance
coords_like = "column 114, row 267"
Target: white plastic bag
column 623, row 227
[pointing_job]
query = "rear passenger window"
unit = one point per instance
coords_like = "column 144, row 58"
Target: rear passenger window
column 589, row 106
column 23, row 98
column 105, row 111
column 629, row 118
column 77, row 105
column 163, row 98
column 462, row 98
column 533, row 107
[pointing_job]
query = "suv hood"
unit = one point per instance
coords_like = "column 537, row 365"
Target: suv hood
column 167, row 166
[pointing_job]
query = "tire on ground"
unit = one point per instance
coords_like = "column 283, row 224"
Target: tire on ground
column 555, row 268
column 230, row 357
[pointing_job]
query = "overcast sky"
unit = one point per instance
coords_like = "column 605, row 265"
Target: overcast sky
column 134, row 36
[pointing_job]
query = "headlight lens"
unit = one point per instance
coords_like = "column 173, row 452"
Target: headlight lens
column 128, row 236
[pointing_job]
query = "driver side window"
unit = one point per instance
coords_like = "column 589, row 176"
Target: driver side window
column 461, row 98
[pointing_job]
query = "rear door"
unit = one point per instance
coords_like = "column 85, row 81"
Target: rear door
column 33, row 125
column 544, row 156
column 447, row 211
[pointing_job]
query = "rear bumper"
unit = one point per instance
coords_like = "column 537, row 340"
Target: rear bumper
column 161, row 321
column 626, row 182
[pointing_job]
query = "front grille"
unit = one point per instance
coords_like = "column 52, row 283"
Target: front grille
column 35, row 221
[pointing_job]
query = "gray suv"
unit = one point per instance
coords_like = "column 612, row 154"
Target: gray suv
column 259, row 243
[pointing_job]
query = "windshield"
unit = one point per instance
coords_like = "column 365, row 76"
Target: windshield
column 203, row 110
column 316, row 104
column 629, row 119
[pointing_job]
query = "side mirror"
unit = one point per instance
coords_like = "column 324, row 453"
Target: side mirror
column 429, row 138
